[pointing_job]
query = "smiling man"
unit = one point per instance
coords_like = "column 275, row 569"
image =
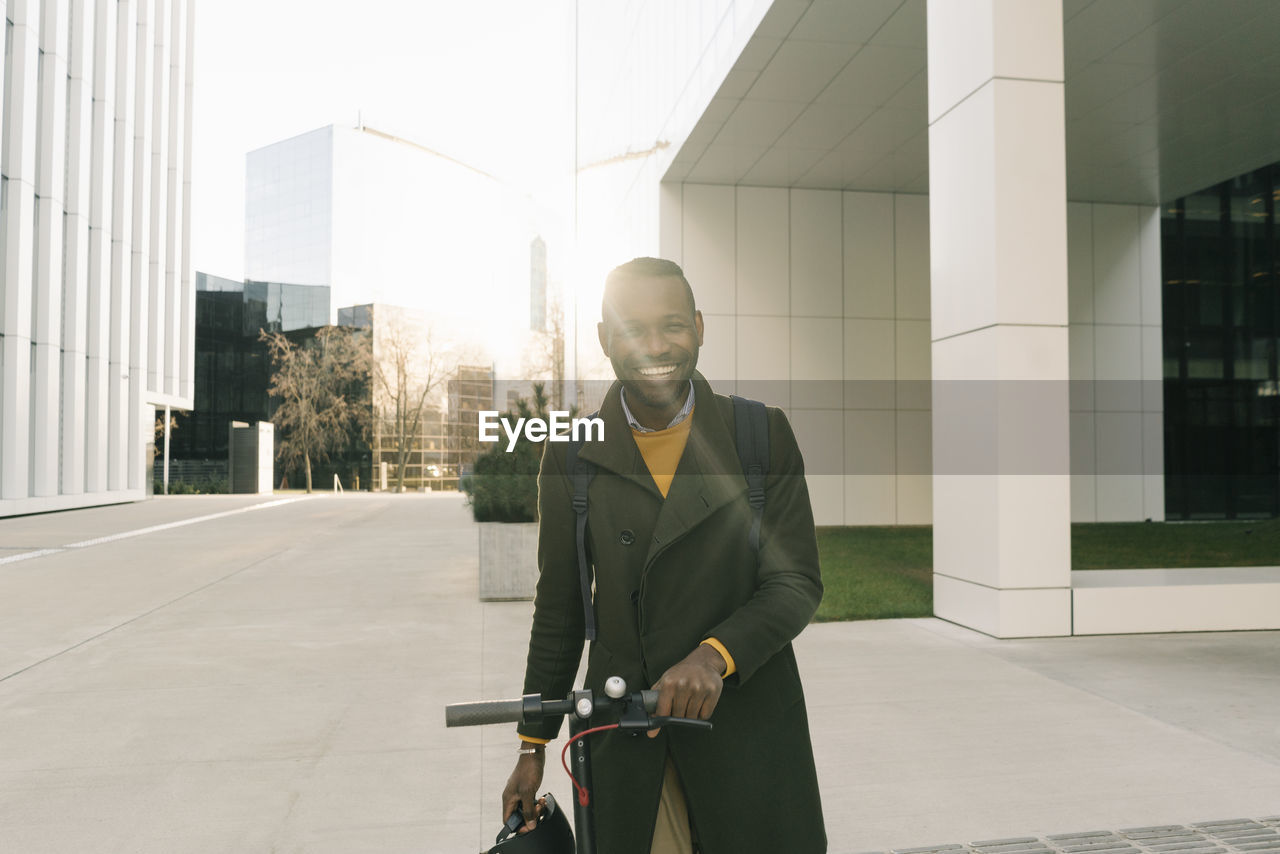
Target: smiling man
column 682, row 601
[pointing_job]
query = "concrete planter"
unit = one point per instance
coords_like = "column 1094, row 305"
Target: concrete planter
column 508, row 560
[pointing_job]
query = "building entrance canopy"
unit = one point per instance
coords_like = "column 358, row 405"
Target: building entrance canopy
column 1162, row 99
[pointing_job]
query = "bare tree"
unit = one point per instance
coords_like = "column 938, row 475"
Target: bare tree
column 543, row 358
column 411, row 362
column 321, row 386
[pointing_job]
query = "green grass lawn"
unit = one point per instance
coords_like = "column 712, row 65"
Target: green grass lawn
column 874, row 573
column 1135, row 545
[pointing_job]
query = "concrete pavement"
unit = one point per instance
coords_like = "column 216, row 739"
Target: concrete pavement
column 236, row 674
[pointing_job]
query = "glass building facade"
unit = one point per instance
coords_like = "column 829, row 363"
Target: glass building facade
column 1221, row 335
column 232, row 368
column 289, row 210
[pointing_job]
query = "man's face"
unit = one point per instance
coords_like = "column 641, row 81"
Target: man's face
column 652, row 338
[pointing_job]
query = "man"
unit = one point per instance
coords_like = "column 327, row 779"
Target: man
column 682, row 602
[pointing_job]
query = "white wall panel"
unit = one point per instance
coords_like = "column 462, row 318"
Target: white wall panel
column 869, row 364
column 821, row 436
column 913, row 349
column 1153, row 466
column 1084, row 499
column 1116, row 269
column 911, row 256
column 1117, row 368
column 913, row 355
column 817, row 248
column 863, row 255
column 708, row 240
column 870, row 443
column 764, row 359
column 826, row 495
column 914, row 442
column 763, row 253
column 1117, row 360
column 915, row 499
column 1080, row 353
column 816, row 362
column 1152, row 368
column 717, row 358
column 1079, row 262
column 869, row 349
column 1119, row 454
column 1149, row 267
column 871, row 499
column 670, row 222
column 868, row 255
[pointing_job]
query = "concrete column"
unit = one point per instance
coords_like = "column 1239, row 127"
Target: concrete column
column 158, row 156
column 75, row 279
column 998, row 266
column 98, row 310
column 122, row 236
column 46, row 332
column 187, row 320
column 139, row 426
column 175, row 144
column 17, row 220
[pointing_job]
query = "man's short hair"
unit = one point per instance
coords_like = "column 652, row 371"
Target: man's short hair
column 653, row 268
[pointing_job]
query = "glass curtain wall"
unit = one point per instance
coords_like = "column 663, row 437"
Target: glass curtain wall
column 1221, row 331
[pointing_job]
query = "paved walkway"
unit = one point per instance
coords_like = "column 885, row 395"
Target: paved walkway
column 272, row 678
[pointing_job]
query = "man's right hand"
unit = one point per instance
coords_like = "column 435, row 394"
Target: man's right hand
column 522, row 786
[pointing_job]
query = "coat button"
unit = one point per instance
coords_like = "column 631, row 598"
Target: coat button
column 627, row 537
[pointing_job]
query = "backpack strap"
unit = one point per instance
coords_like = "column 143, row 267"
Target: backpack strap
column 580, row 472
column 751, row 421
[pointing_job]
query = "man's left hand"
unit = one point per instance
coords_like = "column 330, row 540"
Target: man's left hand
column 691, row 688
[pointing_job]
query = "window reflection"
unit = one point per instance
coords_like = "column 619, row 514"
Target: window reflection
column 1221, row 336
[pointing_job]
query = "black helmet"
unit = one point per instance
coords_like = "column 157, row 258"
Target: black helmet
column 551, row 836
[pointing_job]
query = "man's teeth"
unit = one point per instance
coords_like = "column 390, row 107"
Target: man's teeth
column 657, row 372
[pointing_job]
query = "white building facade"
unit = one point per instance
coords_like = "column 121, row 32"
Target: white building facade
column 930, row 231
column 97, row 319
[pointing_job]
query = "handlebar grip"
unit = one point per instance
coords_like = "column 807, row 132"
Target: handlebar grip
column 650, row 700
column 484, row 712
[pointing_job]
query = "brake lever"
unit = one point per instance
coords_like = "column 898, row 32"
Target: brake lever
column 668, row 720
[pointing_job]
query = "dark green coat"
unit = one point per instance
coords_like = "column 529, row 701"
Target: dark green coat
column 682, row 572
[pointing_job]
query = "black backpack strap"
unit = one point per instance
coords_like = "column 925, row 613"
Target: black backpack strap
column 580, row 473
column 751, row 420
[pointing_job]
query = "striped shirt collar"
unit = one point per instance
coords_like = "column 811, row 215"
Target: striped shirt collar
column 680, row 416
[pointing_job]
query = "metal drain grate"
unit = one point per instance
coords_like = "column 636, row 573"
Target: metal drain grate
column 1231, row 836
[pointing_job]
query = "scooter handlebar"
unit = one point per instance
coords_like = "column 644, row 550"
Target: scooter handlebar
column 484, row 712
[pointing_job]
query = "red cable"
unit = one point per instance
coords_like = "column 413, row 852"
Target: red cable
column 584, row 797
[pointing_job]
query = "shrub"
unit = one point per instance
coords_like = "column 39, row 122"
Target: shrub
column 504, row 487
column 201, row 486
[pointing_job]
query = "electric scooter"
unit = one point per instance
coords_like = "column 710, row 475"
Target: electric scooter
column 635, row 715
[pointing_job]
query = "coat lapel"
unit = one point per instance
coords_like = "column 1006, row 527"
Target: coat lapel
column 708, row 477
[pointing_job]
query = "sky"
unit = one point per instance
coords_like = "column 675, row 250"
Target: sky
column 489, row 83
